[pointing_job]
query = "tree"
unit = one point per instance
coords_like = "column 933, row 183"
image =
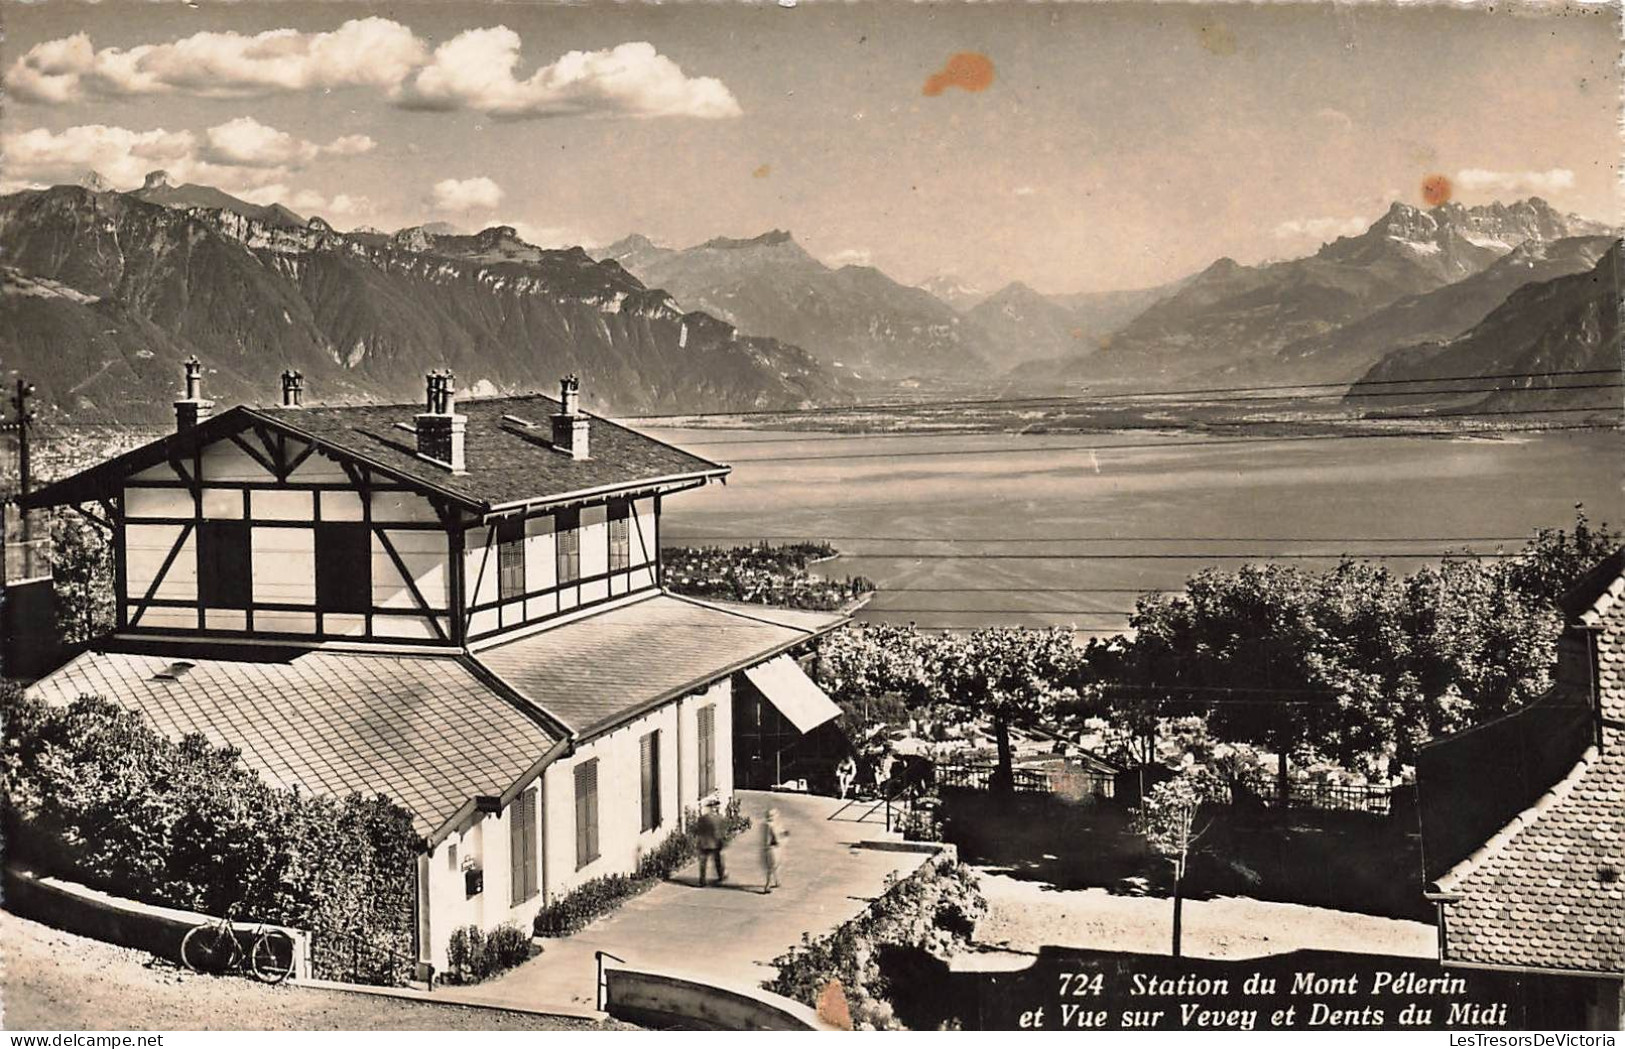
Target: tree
column 867, row 660
column 1011, row 676
column 1168, row 819
column 1554, row 559
column 82, row 575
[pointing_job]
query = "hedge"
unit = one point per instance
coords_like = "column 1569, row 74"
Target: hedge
column 474, row 955
column 92, row 793
column 889, row 961
column 594, row 898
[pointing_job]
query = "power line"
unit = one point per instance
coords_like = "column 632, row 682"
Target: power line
column 1119, row 396
column 1126, row 539
column 1195, row 442
column 1005, row 611
column 1257, row 555
column 816, row 435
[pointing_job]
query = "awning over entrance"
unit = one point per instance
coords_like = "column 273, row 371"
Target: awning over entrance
column 796, row 695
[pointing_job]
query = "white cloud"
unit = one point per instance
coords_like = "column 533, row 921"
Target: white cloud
column 1335, row 116
column 350, row 146
column 1321, row 229
column 852, row 257
column 370, row 52
column 1024, row 191
column 242, row 157
column 246, row 142
column 1551, row 181
column 465, row 194
column 120, row 155
column 475, row 70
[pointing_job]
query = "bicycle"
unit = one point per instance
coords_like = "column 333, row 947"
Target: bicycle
column 216, row 947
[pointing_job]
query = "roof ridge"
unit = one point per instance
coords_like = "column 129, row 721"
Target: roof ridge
column 1449, row 883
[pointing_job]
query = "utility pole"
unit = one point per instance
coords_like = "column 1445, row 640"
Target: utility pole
column 22, row 422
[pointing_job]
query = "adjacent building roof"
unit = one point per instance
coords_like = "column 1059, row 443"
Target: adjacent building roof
column 426, row 731
column 1548, row 890
column 506, row 463
column 594, row 673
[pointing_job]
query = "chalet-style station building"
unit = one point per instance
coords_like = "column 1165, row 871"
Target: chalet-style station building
column 458, row 605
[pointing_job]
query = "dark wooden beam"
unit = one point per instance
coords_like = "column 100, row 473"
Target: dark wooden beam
column 163, row 570
column 93, row 518
column 256, row 455
column 298, row 459
column 411, row 584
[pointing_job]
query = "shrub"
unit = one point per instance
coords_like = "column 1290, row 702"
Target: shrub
column 592, row 899
column 910, row 930
column 472, row 955
column 93, row 794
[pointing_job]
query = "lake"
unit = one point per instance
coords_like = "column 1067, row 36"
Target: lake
column 949, row 526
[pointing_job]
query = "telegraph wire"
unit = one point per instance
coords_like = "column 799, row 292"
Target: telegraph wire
column 1062, row 399
column 1190, row 443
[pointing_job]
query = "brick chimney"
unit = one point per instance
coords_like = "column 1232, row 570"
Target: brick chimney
column 569, row 425
column 439, row 428
column 293, row 389
column 192, row 409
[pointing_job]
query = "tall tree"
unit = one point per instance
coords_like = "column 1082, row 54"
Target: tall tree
column 1011, row 676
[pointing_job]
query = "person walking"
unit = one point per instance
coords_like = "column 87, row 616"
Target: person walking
column 708, row 835
column 773, row 835
column 846, row 774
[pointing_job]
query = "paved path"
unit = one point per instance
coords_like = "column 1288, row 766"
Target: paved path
column 729, row 932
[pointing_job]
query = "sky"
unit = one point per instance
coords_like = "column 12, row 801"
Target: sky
column 1075, row 147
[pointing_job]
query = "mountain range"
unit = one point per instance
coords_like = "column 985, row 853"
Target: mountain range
column 1294, row 319
column 1560, row 335
column 852, row 318
column 104, row 293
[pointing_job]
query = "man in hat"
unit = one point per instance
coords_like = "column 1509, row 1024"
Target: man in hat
column 708, row 835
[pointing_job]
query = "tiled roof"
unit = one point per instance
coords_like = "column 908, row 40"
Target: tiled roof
column 1589, row 599
column 505, row 463
column 594, row 672
column 423, row 730
column 1548, row 891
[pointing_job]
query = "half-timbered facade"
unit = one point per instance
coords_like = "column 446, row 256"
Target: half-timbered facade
column 457, row 604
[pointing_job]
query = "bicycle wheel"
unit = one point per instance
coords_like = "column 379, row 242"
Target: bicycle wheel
column 209, row 949
column 272, row 957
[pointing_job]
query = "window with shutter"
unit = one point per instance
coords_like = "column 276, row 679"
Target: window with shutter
column 510, row 559
column 522, row 844
column 707, row 718
column 649, row 753
column 567, row 540
column 224, row 564
column 343, row 567
column 620, row 538
column 586, row 812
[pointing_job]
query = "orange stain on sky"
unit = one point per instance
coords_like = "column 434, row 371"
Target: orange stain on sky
column 1436, row 190
column 763, row 171
column 969, row 70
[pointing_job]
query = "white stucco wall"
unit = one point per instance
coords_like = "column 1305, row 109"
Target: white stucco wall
column 621, row 840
